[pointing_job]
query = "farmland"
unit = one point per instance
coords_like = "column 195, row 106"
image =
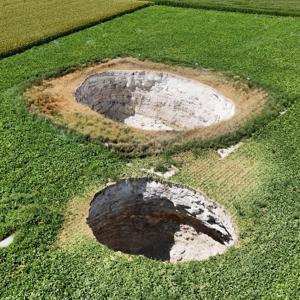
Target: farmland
column 49, row 172
column 26, row 23
column 277, row 7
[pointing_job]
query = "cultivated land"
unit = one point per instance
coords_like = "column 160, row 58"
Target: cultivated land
column 24, row 23
column 273, row 7
column 49, row 173
column 27, row 23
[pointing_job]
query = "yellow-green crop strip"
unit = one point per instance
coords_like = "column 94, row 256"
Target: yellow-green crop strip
column 24, row 23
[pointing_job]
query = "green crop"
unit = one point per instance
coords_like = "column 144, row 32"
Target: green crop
column 44, row 166
column 269, row 7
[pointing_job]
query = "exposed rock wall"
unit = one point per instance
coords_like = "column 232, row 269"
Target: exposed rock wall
column 160, row 221
column 154, row 100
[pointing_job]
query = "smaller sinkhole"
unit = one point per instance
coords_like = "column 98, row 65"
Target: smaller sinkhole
column 153, row 100
column 160, row 221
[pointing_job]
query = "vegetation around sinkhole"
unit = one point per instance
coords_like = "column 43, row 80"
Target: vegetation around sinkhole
column 44, row 166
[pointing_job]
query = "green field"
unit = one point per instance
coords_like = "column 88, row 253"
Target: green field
column 273, row 7
column 44, row 167
column 28, row 23
column 24, row 23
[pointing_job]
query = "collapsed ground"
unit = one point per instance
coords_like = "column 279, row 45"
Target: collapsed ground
column 222, row 106
column 44, row 167
column 142, row 216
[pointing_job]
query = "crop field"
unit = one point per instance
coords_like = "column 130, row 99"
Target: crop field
column 49, row 172
column 275, row 7
column 25, row 23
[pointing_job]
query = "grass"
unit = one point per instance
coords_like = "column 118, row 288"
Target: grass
column 44, row 166
column 30, row 22
column 270, row 7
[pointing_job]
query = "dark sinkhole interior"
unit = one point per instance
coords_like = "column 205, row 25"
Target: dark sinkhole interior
column 159, row 221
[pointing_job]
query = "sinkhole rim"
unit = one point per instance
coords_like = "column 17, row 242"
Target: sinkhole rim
column 164, row 229
column 54, row 98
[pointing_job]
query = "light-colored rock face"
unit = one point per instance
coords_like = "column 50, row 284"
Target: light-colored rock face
column 224, row 152
column 159, row 221
column 152, row 100
column 168, row 174
column 7, row 241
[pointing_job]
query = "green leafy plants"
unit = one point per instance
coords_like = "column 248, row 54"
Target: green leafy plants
column 43, row 166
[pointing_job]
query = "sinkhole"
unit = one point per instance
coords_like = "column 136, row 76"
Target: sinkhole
column 160, row 221
column 154, row 100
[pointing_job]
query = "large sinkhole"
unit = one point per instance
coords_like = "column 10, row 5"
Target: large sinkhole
column 153, row 100
column 160, row 221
